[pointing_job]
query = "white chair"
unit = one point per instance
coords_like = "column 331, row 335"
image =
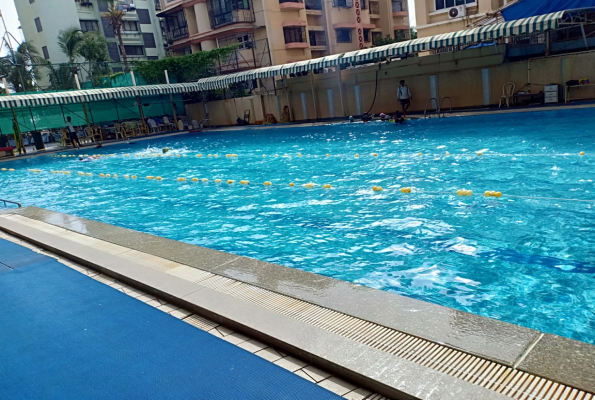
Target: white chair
column 168, row 126
column 180, row 125
column 153, row 125
column 195, row 124
column 507, row 93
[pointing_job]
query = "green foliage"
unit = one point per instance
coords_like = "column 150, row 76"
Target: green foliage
column 185, row 68
column 61, row 77
column 70, row 40
column 413, row 33
column 116, row 14
column 399, row 37
column 93, row 48
column 115, row 76
column 383, row 41
column 19, row 67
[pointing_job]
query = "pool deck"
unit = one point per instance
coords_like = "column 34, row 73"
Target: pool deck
column 455, row 113
column 382, row 342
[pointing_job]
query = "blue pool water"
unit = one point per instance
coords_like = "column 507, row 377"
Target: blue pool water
column 521, row 260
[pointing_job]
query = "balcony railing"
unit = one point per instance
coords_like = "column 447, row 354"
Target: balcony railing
column 399, row 6
column 178, row 33
column 374, row 7
column 343, row 3
column 313, row 5
column 227, row 12
column 294, row 35
column 290, row 1
column 317, row 38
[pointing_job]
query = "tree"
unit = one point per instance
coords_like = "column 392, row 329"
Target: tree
column 20, row 67
column 412, row 33
column 383, row 41
column 69, row 41
column 61, row 77
column 115, row 13
column 93, row 49
column 185, row 68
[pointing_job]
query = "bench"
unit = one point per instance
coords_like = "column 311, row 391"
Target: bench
column 6, row 152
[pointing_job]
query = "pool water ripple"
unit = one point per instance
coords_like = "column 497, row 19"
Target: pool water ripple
column 525, row 261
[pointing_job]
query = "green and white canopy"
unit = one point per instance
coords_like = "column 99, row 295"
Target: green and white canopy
column 538, row 23
column 80, row 96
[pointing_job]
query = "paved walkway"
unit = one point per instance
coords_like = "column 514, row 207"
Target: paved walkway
column 65, row 335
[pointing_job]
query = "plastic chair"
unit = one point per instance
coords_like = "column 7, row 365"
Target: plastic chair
column 120, row 131
column 98, row 134
column 153, row 126
column 65, row 139
column 88, row 138
column 142, row 128
column 129, row 129
column 195, row 124
column 168, row 126
column 507, row 93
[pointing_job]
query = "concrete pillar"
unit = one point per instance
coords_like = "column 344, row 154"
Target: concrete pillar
column 331, row 103
column 278, row 105
column 434, row 90
column 304, row 105
column 486, row 84
column 202, row 17
column 357, row 90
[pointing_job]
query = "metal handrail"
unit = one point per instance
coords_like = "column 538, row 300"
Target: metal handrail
column 11, row 202
column 437, row 107
column 202, row 123
column 449, row 105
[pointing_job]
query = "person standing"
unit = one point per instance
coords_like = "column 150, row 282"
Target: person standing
column 72, row 133
column 404, row 96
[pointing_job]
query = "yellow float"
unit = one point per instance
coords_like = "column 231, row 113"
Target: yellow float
column 102, row 175
column 326, row 186
column 106, row 175
column 133, row 176
column 464, row 192
column 230, row 181
column 356, row 155
column 309, row 185
column 267, row 183
column 582, row 153
column 291, row 184
column 88, row 174
column 149, row 177
column 374, row 154
column 406, row 190
column 199, row 155
column 204, row 179
column 217, row 180
column 194, row 179
column 377, row 188
column 245, row 182
column 158, row 178
column 126, row 176
column 115, row 176
column 181, row 179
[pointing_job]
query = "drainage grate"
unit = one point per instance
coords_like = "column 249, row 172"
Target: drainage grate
column 491, row 375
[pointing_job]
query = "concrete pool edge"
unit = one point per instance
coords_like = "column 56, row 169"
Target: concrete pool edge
column 562, row 360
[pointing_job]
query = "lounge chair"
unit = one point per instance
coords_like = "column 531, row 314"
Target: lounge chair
column 97, row 134
column 142, row 128
column 120, row 131
column 167, row 125
column 65, row 139
column 129, row 129
column 507, row 93
column 88, row 138
column 153, row 126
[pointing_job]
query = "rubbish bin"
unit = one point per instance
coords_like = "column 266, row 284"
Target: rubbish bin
column 38, row 140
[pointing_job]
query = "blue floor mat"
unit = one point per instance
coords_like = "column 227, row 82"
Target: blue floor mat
column 64, row 335
column 15, row 256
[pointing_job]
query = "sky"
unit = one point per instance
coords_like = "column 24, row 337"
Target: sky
column 12, row 20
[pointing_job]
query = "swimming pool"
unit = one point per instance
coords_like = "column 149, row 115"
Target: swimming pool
column 523, row 260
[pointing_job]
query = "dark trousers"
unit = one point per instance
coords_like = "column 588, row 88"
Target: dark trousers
column 74, row 139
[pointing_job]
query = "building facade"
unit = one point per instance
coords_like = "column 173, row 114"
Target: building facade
column 289, row 30
column 42, row 21
column 434, row 17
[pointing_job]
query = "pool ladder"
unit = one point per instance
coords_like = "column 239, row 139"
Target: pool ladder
column 438, row 108
column 6, row 202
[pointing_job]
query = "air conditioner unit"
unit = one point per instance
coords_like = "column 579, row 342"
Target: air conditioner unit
column 457, row 12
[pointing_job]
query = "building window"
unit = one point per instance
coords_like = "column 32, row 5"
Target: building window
column 294, row 35
column 31, row 1
column 317, row 38
column 46, row 53
column 366, row 35
column 224, row 12
column 398, row 6
column 89, row 26
column 38, row 25
column 129, row 26
column 244, row 41
column 134, row 50
column 444, row 4
column 376, row 37
column 343, row 3
column 313, row 4
column 363, row 3
column 343, row 35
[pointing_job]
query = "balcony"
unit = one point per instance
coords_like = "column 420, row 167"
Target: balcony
column 317, row 40
column 399, row 9
column 291, row 5
column 314, row 5
column 374, row 9
column 176, row 33
column 343, row 3
column 295, row 37
column 227, row 12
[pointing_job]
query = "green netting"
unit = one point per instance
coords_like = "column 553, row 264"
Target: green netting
column 100, row 112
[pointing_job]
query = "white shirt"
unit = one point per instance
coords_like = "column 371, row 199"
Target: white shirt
column 403, row 93
column 70, row 127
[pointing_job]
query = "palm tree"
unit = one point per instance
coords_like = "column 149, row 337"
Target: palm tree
column 115, row 13
column 69, row 41
column 93, row 48
column 20, row 67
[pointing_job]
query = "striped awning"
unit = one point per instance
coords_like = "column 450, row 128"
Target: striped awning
column 80, row 96
column 538, row 23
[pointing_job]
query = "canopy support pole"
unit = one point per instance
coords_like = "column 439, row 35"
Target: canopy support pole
column 78, row 86
column 584, row 36
column 32, row 119
column 171, row 102
column 311, row 73
column 341, row 90
column 18, row 138
column 117, row 112
column 287, row 97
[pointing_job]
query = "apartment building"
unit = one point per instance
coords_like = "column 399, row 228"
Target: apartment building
column 288, row 30
column 42, row 20
column 435, row 17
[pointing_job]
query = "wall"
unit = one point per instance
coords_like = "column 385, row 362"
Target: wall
column 459, row 76
column 225, row 112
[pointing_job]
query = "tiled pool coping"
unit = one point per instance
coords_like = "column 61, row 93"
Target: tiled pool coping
column 559, row 359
